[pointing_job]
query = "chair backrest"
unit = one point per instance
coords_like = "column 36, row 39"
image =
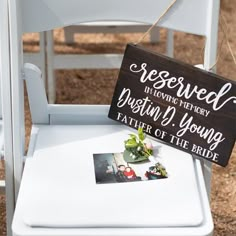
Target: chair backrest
column 191, row 16
column 196, row 17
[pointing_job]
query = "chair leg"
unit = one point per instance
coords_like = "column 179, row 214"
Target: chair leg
column 69, row 34
column 2, row 187
column 155, row 35
column 10, row 199
column 170, row 43
column 207, row 170
column 42, row 52
column 50, row 67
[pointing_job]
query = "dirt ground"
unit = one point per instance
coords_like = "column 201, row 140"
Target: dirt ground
column 74, row 86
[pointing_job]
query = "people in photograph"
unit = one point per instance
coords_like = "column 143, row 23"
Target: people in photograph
column 131, row 175
column 156, row 172
column 120, row 176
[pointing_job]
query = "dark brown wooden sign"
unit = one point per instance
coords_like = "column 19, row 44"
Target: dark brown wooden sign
column 186, row 107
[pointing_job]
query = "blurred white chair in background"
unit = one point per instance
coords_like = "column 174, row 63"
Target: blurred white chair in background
column 94, row 61
column 108, row 27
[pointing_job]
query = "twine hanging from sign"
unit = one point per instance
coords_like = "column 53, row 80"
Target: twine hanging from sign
column 227, row 40
column 224, row 29
column 225, row 35
column 155, row 23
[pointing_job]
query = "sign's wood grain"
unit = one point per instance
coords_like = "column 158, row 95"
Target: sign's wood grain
column 187, row 107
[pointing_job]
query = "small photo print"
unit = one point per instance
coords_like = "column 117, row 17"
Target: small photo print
column 112, row 168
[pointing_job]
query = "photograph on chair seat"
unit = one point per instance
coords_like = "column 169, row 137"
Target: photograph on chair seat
column 112, row 168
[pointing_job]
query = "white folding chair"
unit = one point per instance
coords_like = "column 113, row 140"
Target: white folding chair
column 64, row 137
column 94, row 61
column 6, row 119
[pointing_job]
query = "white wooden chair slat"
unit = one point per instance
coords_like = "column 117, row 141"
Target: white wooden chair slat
column 6, row 134
column 64, row 14
column 104, row 61
column 40, row 114
column 109, row 27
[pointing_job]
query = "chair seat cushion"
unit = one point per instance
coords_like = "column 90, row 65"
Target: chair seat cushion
column 59, row 186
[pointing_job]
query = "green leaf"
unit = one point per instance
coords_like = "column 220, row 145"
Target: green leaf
column 150, row 151
column 163, row 172
column 133, row 136
column 131, row 143
column 141, row 135
column 129, row 159
column 160, row 168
